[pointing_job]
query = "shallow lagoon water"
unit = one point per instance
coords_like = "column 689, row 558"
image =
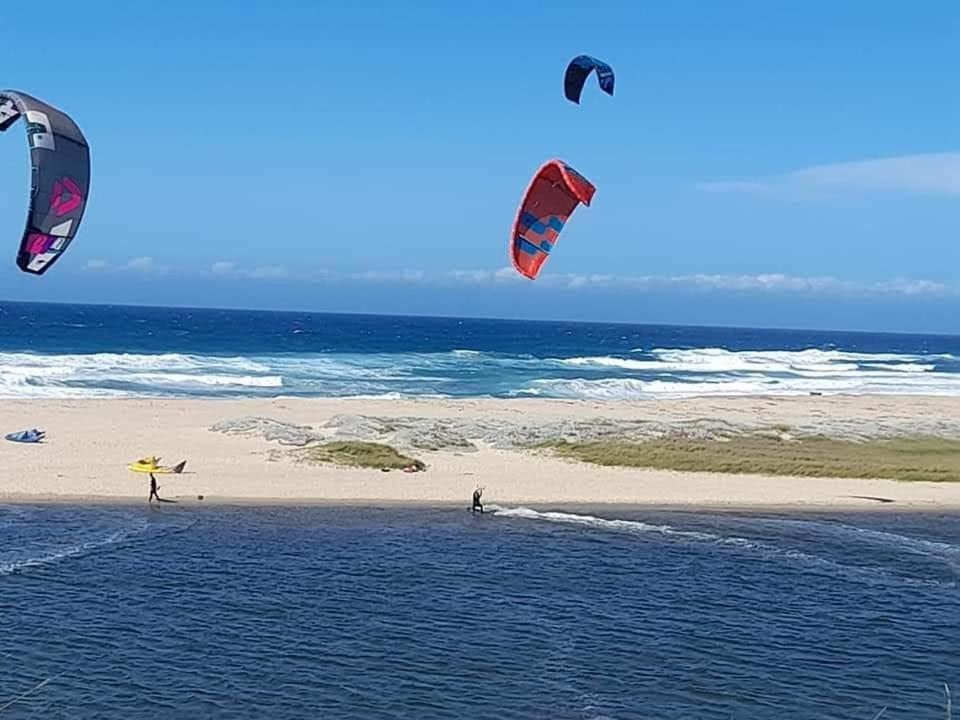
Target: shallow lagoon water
column 336, row 612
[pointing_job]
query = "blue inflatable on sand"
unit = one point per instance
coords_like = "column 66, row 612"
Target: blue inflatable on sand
column 26, row 436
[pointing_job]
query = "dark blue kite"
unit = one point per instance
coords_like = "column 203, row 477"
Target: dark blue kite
column 578, row 70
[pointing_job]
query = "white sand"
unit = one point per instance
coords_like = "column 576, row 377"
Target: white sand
column 90, row 442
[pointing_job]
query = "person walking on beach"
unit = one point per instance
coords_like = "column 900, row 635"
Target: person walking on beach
column 477, row 505
column 153, row 489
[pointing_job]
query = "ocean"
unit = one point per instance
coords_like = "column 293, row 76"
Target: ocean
column 71, row 351
column 131, row 613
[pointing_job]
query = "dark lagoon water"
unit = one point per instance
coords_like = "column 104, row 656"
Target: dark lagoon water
column 331, row 612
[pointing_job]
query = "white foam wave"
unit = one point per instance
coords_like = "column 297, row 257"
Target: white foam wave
column 659, row 373
column 903, row 367
column 809, row 355
column 632, row 389
column 672, row 373
column 129, row 361
column 808, row 363
column 268, row 381
column 123, row 374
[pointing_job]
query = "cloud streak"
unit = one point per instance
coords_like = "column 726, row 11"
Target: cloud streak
column 142, row 264
column 928, row 174
column 138, row 264
column 760, row 283
column 702, row 282
column 230, row 269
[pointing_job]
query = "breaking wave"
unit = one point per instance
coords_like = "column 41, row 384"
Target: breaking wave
column 638, row 375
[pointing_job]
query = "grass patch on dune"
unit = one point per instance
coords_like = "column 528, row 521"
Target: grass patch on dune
column 358, row 454
column 930, row 459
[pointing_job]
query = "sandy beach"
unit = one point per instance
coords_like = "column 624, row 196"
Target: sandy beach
column 90, row 442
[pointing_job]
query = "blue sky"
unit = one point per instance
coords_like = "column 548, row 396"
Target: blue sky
column 790, row 164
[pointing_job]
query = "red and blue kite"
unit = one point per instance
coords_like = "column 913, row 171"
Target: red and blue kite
column 550, row 200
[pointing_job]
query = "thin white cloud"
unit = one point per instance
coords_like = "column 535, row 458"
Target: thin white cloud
column 391, row 276
column 931, row 173
column 446, row 277
column 268, row 272
column 507, row 274
column 145, row 265
column 96, row 264
column 757, row 283
column 763, row 282
column 771, row 283
column 473, row 277
column 915, row 287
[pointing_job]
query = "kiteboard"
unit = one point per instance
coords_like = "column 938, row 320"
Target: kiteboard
column 151, row 465
column 25, row 436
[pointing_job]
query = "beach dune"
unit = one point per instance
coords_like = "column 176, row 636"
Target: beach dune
column 90, row 443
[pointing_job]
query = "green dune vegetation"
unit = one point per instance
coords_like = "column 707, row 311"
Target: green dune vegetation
column 911, row 459
column 358, row 454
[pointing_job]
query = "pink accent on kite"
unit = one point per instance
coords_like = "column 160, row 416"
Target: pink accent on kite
column 38, row 243
column 67, row 197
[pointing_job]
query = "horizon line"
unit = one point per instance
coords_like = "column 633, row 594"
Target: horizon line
column 542, row 321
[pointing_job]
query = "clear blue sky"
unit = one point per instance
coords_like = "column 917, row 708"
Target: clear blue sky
column 791, row 164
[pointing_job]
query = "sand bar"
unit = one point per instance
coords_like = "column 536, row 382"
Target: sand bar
column 90, row 442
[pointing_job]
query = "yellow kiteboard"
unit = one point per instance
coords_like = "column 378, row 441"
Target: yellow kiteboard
column 152, row 465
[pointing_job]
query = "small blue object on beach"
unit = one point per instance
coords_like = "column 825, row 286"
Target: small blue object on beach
column 26, row 436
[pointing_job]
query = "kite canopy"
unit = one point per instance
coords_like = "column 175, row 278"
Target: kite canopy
column 578, row 70
column 60, row 182
column 553, row 195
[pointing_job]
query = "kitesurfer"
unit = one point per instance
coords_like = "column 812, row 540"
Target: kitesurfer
column 477, row 505
column 153, row 490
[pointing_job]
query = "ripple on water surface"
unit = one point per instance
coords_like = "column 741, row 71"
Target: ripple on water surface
column 522, row 613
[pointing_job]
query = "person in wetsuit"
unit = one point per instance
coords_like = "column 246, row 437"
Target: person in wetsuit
column 153, row 489
column 477, row 505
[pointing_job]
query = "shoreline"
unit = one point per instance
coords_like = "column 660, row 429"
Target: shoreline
column 463, row 443
column 693, row 508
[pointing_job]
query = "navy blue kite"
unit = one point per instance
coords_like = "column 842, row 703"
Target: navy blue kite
column 578, row 70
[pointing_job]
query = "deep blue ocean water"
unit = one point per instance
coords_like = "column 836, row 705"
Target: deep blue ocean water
column 228, row 612
column 86, row 351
